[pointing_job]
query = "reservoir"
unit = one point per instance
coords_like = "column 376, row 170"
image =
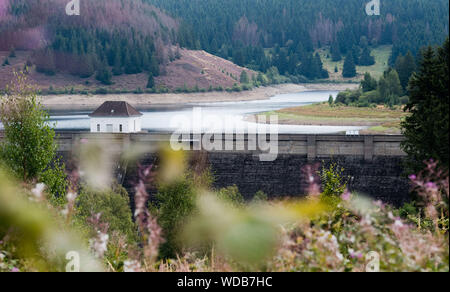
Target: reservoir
column 229, row 116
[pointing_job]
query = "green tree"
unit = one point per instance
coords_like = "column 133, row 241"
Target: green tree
column 368, row 83
column 244, row 77
column 104, row 75
column 175, row 203
column 405, row 66
column 366, row 58
column 151, row 80
column 114, row 206
column 389, row 86
column 29, row 147
column 117, row 67
column 331, row 100
column 262, row 79
column 349, row 70
column 426, row 129
column 335, row 53
column 12, row 52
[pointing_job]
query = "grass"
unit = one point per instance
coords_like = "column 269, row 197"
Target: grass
column 379, row 120
column 381, row 55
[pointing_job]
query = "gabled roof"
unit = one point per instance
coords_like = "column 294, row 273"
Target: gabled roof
column 115, row 109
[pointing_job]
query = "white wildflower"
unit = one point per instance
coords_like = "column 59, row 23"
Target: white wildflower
column 38, row 190
column 131, row 266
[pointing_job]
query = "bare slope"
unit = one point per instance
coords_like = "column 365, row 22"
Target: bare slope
column 194, row 68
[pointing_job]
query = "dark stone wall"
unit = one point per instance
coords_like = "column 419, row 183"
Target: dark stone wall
column 381, row 179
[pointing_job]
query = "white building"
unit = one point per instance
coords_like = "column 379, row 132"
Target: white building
column 115, row 117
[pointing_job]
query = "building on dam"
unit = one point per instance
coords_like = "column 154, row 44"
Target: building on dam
column 115, row 117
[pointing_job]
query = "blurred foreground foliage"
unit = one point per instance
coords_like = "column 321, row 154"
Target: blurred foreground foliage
column 177, row 220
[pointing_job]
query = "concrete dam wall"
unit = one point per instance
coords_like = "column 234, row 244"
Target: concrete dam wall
column 374, row 164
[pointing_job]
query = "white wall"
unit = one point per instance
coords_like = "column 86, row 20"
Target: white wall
column 129, row 125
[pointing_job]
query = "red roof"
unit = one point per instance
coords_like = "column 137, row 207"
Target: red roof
column 115, row 109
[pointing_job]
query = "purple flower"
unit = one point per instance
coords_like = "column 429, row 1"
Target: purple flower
column 412, row 177
column 346, row 196
column 15, row 270
column 431, row 185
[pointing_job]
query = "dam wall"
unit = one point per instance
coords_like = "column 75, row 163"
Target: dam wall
column 373, row 164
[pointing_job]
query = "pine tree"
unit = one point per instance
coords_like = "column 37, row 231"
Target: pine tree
column 389, row 86
column 151, row 80
column 366, row 59
column 330, row 100
column 86, row 66
column 369, row 83
column 356, row 52
column 335, row 53
column 117, row 66
column 12, row 52
column 321, row 72
column 426, row 128
column 349, row 70
column 244, row 78
column 405, row 66
column 154, row 66
column 103, row 74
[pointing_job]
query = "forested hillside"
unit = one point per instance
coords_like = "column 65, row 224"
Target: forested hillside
column 243, row 30
column 305, row 40
column 126, row 35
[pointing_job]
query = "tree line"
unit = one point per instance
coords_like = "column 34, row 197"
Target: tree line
column 261, row 34
column 391, row 89
column 110, row 37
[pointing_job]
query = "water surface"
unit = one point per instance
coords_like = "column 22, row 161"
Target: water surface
column 217, row 117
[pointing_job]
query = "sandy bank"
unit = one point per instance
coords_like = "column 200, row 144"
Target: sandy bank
column 143, row 101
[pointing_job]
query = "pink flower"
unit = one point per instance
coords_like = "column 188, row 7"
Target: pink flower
column 412, row 177
column 431, row 185
column 346, row 196
column 15, row 270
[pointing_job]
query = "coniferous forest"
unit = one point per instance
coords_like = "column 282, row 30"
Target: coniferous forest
column 244, row 30
column 128, row 37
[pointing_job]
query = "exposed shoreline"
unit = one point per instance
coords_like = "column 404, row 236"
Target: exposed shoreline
column 378, row 120
column 146, row 101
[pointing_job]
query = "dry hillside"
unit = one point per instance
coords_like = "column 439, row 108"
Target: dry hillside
column 194, row 68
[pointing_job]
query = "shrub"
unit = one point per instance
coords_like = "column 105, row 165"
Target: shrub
column 231, row 195
column 114, row 206
column 55, row 180
column 334, row 182
column 29, row 147
column 101, row 90
column 260, row 196
column 175, row 202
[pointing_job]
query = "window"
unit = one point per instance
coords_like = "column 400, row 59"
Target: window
column 120, row 128
column 98, row 127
